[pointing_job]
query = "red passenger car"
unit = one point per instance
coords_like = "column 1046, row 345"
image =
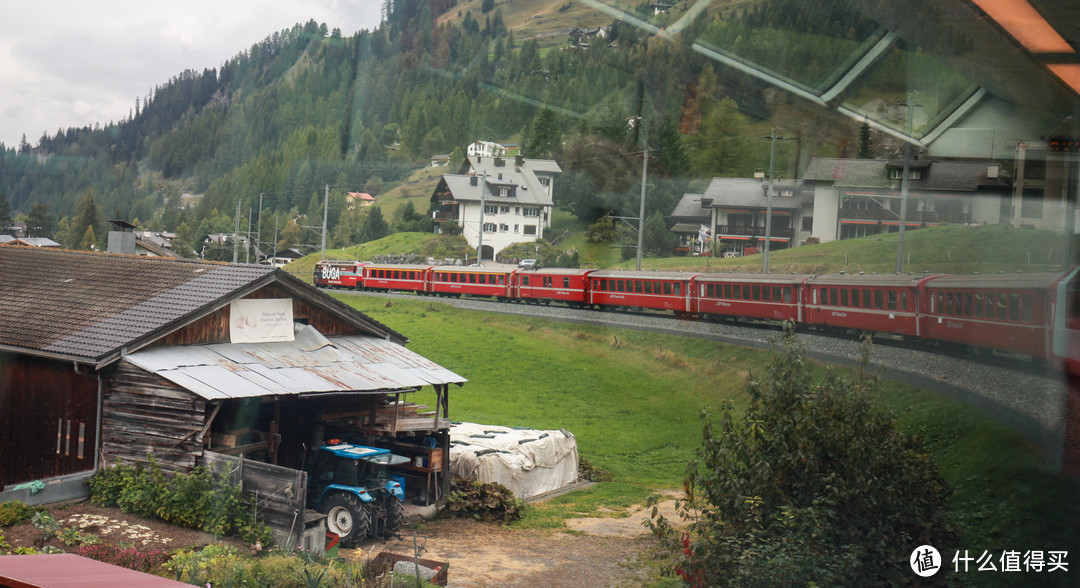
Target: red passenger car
column 1009, row 312
column 457, row 281
column 758, row 296
column 413, row 278
column 547, row 285
column 880, row 303
column 338, row 273
column 658, row 290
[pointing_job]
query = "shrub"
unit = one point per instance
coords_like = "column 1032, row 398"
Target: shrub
column 811, row 486
column 197, row 500
column 488, row 502
column 16, row 512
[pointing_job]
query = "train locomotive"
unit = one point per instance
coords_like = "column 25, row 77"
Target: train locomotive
column 1032, row 314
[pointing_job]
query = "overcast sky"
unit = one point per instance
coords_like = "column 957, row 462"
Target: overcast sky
column 71, row 64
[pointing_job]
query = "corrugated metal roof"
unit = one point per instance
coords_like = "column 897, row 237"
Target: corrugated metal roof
column 309, row 364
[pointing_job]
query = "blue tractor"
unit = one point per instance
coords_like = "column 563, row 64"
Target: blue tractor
column 352, row 485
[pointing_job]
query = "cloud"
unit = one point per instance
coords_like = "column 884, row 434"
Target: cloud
column 73, row 64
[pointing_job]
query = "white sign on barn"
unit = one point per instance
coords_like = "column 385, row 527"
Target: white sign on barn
column 260, row 320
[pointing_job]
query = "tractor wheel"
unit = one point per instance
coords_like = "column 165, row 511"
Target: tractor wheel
column 348, row 518
column 394, row 515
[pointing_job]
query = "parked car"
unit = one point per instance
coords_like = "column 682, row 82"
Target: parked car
column 528, row 264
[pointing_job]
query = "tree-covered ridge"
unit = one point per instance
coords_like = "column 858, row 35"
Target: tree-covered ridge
column 307, row 109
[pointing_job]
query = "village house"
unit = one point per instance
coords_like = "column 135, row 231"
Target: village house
column 109, row 358
column 509, row 200
column 358, row 200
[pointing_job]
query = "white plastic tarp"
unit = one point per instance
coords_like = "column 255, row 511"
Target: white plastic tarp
column 527, row 461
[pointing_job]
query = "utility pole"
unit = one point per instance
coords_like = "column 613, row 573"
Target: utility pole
column 258, row 237
column 236, row 236
column 769, row 197
column 325, row 213
column 247, row 248
column 641, row 209
column 904, row 188
column 480, row 240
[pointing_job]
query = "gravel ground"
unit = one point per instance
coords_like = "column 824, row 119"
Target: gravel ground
column 1027, row 397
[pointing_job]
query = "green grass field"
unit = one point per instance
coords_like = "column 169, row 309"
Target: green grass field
column 633, row 399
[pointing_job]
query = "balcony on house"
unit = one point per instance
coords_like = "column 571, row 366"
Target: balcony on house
column 754, row 231
column 913, row 216
column 447, row 213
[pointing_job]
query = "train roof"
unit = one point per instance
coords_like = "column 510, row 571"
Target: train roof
column 555, row 271
column 862, row 279
column 755, row 278
column 1014, row 280
column 397, row 266
column 645, row 275
column 335, row 261
column 458, row 268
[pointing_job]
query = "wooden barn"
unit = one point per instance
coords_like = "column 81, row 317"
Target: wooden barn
column 112, row 357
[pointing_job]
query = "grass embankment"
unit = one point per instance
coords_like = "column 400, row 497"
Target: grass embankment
column 632, row 399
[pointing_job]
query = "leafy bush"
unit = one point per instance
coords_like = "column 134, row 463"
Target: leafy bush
column 133, row 558
column 484, row 502
column 220, row 565
column 45, row 523
column 812, row 486
column 198, row 500
column 592, row 473
column 16, row 512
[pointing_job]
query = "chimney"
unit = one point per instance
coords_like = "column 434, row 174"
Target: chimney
column 519, row 160
column 500, row 162
column 473, row 181
column 992, row 171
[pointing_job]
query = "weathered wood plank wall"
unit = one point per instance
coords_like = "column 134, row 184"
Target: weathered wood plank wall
column 146, row 414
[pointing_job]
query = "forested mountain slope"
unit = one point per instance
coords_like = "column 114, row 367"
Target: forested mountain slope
column 309, row 108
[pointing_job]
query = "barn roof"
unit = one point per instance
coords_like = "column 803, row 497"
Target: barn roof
column 311, row 364
column 94, row 307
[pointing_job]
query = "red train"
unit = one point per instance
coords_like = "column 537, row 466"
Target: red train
column 1031, row 314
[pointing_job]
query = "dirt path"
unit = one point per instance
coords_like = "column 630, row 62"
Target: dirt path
column 596, row 551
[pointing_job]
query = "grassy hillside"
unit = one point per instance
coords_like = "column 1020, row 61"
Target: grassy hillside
column 632, row 399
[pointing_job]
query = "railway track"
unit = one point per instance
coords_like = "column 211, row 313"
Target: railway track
column 1024, row 395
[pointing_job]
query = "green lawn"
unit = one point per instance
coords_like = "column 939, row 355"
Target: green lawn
column 632, row 399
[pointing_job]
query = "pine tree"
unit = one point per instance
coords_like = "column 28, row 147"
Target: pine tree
column 866, row 142
column 374, row 226
column 5, row 213
column 89, row 240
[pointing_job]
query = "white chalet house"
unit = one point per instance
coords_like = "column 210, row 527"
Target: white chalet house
column 485, row 149
column 508, row 198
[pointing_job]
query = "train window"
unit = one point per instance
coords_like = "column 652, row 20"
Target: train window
column 667, row 288
column 903, row 300
column 879, row 299
column 707, row 290
column 1029, row 312
column 737, row 293
column 892, row 299
column 787, row 295
column 755, row 292
column 949, row 303
column 967, row 304
column 843, row 297
column 602, row 287
column 766, row 293
column 638, row 287
column 648, row 287
column 1014, row 307
column 855, row 297
column 746, row 292
column 866, row 298
column 727, row 294
column 619, row 285
column 1002, row 306
column 547, row 281
column 977, row 304
column 677, row 289
column 525, row 281
column 565, row 282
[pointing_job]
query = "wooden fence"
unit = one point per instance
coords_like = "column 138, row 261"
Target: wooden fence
column 279, row 493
